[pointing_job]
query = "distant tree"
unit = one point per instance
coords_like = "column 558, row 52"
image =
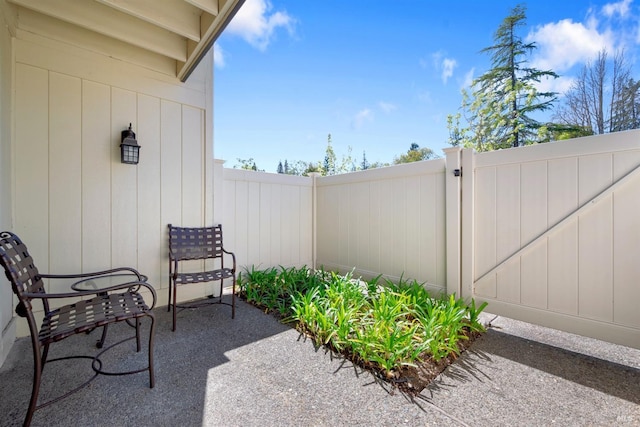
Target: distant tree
column 280, row 168
column 603, row 97
column 364, row 165
column 414, row 154
column 312, row 167
column 302, row 168
column 498, row 111
column 626, row 108
column 286, row 166
column 559, row 131
column 247, row 164
column 347, row 164
column 329, row 159
column 376, row 165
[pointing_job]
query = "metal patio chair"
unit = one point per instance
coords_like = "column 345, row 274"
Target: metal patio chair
column 198, row 243
column 105, row 306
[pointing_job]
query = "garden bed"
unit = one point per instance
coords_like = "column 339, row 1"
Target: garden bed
column 398, row 331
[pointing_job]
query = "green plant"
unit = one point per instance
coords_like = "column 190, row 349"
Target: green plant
column 388, row 325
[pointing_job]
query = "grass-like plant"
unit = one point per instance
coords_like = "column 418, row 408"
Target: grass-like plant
column 377, row 323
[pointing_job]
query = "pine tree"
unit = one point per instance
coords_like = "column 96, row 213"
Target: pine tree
column 498, row 111
column 414, row 154
column 280, row 169
column 365, row 163
column 329, row 159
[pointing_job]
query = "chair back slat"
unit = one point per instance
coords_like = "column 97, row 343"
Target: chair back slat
column 195, row 243
column 20, row 270
column 18, row 265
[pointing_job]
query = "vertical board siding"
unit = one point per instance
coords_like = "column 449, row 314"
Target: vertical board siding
column 124, row 182
column 151, row 231
column 96, row 176
column 65, row 172
column 77, row 207
column 192, row 167
column 170, row 162
column 32, row 161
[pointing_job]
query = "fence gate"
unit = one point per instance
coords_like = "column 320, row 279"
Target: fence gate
column 550, row 234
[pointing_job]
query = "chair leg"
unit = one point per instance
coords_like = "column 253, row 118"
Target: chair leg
column 152, row 380
column 38, row 365
column 103, row 338
column 138, row 335
column 169, row 299
column 233, row 298
column 45, row 353
column 175, row 287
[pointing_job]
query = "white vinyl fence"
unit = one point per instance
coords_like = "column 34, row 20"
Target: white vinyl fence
column 556, row 235
column 388, row 221
column 548, row 234
column 267, row 218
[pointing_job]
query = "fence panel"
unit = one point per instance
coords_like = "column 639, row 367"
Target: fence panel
column 388, row 221
column 553, row 227
column 267, row 218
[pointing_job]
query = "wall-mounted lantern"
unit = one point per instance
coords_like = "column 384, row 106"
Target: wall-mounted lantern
column 129, row 148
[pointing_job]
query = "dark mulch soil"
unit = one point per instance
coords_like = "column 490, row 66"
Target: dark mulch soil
column 410, row 380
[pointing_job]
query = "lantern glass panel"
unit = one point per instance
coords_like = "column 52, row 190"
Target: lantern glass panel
column 130, row 154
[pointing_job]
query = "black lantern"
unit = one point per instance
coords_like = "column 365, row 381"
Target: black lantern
column 129, row 148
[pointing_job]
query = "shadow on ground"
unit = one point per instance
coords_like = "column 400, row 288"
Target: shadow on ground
column 182, row 362
column 255, row 371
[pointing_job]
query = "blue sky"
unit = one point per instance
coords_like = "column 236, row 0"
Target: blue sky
column 380, row 75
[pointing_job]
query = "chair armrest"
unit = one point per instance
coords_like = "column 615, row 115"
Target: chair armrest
column 233, row 256
column 128, row 286
column 92, row 274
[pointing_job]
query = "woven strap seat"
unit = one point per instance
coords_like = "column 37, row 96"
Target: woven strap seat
column 89, row 314
column 204, row 276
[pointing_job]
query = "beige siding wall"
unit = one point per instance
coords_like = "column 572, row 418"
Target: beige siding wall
column 76, row 206
column 581, row 273
column 267, row 218
column 7, row 326
column 387, row 221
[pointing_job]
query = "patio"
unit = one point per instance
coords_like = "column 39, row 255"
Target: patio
column 255, row 371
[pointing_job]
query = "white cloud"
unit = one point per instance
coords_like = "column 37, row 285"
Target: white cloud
column 387, row 107
column 560, row 85
column 565, row 43
column 255, row 23
column 361, row 118
column 448, row 65
column 468, row 78
column 218, row 56
column 621, row 8
column 442, row 64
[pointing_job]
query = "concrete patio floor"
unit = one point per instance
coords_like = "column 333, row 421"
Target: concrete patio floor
column 254, row 371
